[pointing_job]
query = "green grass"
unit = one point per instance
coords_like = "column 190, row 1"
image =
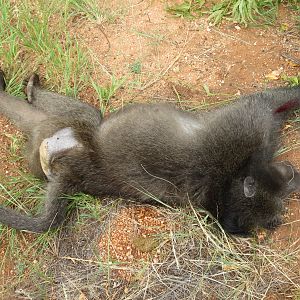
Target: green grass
column 93, row 10
column 87, row 8
column 105, row 93
column 187, row 9
column 292, row 80
column 86, row 207
column 38, row 39
column 136, row 67
column 25, row 194
column 16, row 143
column 29, row 43
column 240, row 11
column 245, row 11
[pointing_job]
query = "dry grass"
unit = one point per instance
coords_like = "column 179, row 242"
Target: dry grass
column 197, row 261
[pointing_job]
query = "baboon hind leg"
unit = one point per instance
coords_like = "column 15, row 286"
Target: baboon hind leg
column 23, row 115
column 54, row 103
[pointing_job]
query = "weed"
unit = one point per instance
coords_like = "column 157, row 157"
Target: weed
column 292, row 80
column 14, row 85
column 187, row 9
column 106, row 93
column 15, row 146
column 91, row 10
column 245, row 11
column 240, row 11
column 30, row 41
column 155, row 38
column 136, row 67
column 68, row 66
column 86, row 206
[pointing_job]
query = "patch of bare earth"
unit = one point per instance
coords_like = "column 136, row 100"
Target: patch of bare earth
column 132, row 239
column 8, row 166
column 185, row 54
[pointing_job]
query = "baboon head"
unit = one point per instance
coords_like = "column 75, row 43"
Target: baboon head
column 257, row 196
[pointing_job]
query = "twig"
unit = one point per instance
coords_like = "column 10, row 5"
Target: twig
column 205, row 232
column 231, row 36
column 177, row 95
column 101, row 28
column 74, row 259
column 291, row 58
column 174, row 250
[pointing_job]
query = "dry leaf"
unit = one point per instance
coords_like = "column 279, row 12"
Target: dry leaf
column 227, row 267
column 82, row 297
column 145, row 244
column 284, row 26
column 274, row 75
column 261, row 235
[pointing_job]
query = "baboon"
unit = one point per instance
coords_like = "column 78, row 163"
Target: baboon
column 221, row 160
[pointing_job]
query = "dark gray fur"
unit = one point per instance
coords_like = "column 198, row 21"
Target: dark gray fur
column 221, row 160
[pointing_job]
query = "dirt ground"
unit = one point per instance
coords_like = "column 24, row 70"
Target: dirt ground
column 177, row 58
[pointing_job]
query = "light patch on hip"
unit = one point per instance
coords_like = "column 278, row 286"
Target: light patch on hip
column 62, row 140
column 189, row 126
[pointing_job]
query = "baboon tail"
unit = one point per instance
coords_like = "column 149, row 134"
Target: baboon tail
column 52, row 215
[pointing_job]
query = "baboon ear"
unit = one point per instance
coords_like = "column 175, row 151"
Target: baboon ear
column 249, row 187
column 291, row 176
column 293, row 183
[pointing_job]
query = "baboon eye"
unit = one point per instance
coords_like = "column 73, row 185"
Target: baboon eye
column 249, row 187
